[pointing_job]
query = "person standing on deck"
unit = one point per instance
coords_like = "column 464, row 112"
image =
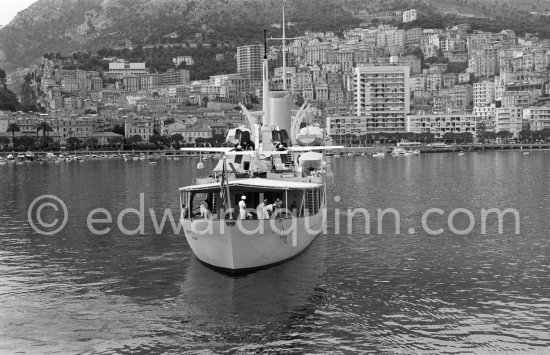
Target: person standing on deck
column 242, row 207
column 260, row 209
column 278, row 205
column 205, row 212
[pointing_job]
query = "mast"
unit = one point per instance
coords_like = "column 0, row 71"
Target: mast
column 265, row 130
column 265, row 93
column 284, row 47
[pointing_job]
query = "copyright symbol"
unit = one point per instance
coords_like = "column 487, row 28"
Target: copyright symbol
column 35, row 214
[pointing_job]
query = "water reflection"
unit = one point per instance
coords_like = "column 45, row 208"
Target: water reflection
column 265, row 295
column 347, row 293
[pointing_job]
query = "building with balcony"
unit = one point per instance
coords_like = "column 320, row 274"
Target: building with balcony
column 439, row 124
column 249, row 62
column 140, row 127
column 382, row 94
column 509, row 119
column 484, row 93
column 538, row 118
column 121, row 70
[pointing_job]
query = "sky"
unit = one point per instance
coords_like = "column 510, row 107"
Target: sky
column 10, row 8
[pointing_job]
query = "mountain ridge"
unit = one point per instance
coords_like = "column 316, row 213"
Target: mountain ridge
column 87, row 25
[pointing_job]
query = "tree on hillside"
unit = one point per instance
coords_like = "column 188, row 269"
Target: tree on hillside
column 8, row 100
column 28, row 95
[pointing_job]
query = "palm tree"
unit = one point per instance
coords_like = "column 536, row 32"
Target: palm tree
column 44, row 127
column 13, row 127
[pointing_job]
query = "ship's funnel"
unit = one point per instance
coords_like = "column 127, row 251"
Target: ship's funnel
column 280, row 103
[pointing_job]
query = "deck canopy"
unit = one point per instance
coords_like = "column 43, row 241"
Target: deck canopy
column 256, row 185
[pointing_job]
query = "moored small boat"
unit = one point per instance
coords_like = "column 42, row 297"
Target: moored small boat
column 29, row 155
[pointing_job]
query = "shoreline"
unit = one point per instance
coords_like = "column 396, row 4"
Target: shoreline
column 367, row 151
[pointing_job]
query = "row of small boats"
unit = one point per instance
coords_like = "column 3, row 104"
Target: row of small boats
column 22, row 158
column 381, row 154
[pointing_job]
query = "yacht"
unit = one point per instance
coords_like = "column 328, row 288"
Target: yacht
column 379, row 155
column 290, row 184
column 265, row 201
column 398, row 152
column 3, row 161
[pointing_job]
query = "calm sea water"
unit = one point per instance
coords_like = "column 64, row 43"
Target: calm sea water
column 76, row 292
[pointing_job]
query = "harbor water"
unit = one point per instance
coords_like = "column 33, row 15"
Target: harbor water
column 360, row 287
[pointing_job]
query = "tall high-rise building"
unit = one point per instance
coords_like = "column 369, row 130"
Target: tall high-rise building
column 382, row 96
column 249, row 62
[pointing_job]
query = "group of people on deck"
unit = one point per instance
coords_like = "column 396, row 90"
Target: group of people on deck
column 264, row 210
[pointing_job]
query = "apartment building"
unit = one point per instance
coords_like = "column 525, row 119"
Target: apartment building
column 249, row 62
column 383, row 94
column 409, row 16
column 121, row 70
column 141, row 127
column 509, row 119
column 484, row 93
column 538, row 118
column 175, row 77
column 439, row 124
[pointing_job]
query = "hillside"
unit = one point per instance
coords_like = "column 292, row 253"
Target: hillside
column 68, row 25
column 87, row 25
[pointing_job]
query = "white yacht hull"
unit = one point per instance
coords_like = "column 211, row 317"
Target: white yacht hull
column 226, row 244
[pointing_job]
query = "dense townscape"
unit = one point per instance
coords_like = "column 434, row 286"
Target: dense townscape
column 376, row 83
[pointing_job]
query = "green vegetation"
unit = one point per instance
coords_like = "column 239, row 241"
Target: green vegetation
column 13, row 127
column 159, row 59
column 79, row 61
column 496, row 19
column 8, row 100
